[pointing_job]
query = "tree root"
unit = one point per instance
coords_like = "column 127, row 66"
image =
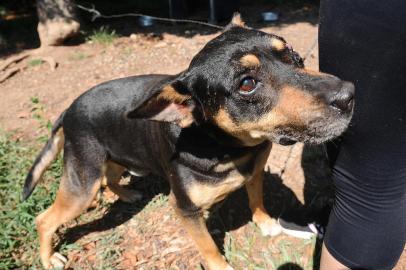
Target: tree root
column 15, row 59
column 9, row 73
column 51, row 62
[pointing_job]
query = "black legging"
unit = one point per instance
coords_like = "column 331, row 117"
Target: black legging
column 365, row 42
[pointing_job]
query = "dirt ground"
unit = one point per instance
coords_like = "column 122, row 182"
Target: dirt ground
column 296, row 179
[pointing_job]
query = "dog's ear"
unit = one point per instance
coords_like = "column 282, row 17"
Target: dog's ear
column 236, row 21
column 171, row 103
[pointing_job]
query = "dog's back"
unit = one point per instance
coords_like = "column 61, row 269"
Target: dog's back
column 100, row 117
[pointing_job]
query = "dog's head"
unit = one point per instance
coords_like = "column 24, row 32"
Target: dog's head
column 254, row 87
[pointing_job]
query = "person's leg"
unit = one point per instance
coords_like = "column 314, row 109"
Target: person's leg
column 364, row 42
column 328, row 262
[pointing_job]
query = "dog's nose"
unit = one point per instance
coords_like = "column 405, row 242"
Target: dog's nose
column 344, row 99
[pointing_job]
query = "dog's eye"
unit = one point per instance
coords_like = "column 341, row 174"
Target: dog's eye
column 248, row 85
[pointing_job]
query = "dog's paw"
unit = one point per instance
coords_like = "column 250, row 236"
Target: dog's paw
column 226, row 267
column 56, row 261
column 218, row 263
column 269, row 227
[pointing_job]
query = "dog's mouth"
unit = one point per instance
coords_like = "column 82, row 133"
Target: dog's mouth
column 316, row 132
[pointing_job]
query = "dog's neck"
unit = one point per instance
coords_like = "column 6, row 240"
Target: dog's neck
column 208, row 136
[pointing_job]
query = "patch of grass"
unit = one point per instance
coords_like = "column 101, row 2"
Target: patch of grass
column 35, row 62
column 77, row 56
column 38, row 113
column 103, row 36
column 108, row 250
column 18, row 238
column 255, row 252
column 158, row 201
column 126, row 52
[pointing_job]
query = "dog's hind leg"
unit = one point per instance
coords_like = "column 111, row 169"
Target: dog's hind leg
column 79, row 185
column 113, row 174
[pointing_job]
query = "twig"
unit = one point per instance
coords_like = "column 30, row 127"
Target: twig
column 286, row 161
column 309, row 51
column 97, row 14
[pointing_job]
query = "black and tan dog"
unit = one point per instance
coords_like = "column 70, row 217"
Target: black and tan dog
column 208, row 130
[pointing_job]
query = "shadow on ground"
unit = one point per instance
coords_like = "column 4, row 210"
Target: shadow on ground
column 281, row 201
column 120, row 212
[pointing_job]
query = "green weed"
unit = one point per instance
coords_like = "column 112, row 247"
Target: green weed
column 103, row 36
column 77, row 56
column 18, row 238
column 38, row 113
column 35, row 62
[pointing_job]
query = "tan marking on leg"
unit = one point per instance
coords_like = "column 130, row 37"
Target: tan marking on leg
column 205, row 195
column 277, row 44
column 267, row 225
column 66, row 207
column 197, row 230
column 46, row 160
column 232, row 164
column 250, row 61
column 261, row 218
column 113, row 172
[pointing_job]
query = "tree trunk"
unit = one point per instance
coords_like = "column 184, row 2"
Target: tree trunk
column 57, row 21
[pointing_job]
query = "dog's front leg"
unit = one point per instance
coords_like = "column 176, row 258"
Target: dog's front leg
column 195, row 225
column 268, row 225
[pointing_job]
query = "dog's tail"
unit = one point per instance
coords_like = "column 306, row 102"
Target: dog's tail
column 45, row 158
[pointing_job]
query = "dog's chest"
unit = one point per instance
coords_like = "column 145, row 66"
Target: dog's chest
column 231, row 174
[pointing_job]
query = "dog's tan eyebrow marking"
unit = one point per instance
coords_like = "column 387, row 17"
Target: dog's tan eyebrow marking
column 250, row 61
column 277, row 44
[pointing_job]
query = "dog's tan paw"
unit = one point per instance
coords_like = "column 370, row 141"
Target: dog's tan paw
column 219, row 263
column 269, row 227
column 56, row 261
column 226, row 267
